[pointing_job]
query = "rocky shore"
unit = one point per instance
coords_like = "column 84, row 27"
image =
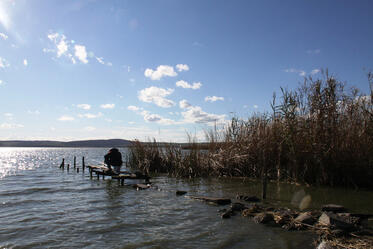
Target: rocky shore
column 335, row 226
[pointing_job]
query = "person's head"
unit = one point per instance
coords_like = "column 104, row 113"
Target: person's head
column 113, row 150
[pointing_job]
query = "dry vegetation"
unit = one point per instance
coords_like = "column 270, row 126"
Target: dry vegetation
column 319, row 134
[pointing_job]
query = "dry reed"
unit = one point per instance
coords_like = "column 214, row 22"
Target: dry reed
column 319, row 134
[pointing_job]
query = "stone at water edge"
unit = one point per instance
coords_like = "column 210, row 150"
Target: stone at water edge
column 306, row 218
column 181, row 192
column 263, row 218
column 330, row 219
column 238, row 206
column 325, row 245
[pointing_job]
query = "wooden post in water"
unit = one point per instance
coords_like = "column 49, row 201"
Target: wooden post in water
column 83, row 164
column 90, row 172
column 77, row 170
column 98, row 176
column 68, row 167
column 62, row 165
column 74, row 162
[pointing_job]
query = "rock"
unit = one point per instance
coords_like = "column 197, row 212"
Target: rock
column 213, row 200
column 238, row 206
column 283, row 217
column 263, row 218
column 180, row 192
column 251, row 211
column 325, row 245
column 141, row 186
column 333, row 208
column 335, row 221
column 306, row 218
column 227, row 214
column 248, row 198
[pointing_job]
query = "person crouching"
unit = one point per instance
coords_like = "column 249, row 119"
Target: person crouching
column 113, row 160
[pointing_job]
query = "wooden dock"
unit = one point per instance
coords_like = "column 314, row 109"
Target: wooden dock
column 101, row 170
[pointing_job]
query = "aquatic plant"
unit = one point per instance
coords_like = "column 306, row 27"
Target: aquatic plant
column 319, row 133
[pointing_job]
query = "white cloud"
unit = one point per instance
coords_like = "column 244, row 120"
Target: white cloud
column 184, row 84
column 157, row 96
column 3, row 36
column 213, row 98
column 65, row 118
column 61, row 47
column 84, row 106
column 4, row 63
column 10, row 126
column 4, row 15
column 195, row 114
column 107, row 106
column 184, row 104
column 149, row 117
column 81, row 53
column 314, row 51
column 1, row 82
column 256, row 106
column 315, row 71
column 133, row 108
column 9, row 116
column 162, row 71
column 293, row 70
column 109, row 64
column 89, row 128
column 25, row 62
column 182, row 67
column 90, row 115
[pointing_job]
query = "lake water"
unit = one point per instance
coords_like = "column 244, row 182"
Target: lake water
column 45, row 207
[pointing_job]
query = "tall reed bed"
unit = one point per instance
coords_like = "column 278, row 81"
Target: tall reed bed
column 320, row 133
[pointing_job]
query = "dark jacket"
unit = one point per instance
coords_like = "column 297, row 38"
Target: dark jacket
column 113, row 158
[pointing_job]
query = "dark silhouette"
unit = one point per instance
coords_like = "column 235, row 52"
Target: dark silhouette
column 114, row 159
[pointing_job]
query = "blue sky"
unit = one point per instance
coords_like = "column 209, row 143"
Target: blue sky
column 75, row 69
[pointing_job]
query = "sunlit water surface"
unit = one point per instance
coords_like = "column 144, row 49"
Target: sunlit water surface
column 45, row 207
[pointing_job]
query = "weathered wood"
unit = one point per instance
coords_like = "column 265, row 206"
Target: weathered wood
column 77, row 170
column 68, row 167
column 74, row 162
column 83, row 164
column 90, row 173
column 62, row 165
column 218, row 201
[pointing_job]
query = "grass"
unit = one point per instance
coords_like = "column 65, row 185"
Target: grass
column 320, row 133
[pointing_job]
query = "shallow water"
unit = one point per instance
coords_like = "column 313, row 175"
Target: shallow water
column 45, row 207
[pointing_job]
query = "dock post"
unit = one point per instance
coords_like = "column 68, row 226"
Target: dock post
column 62, row 165
column 90, row 173
column 103, row 176
column 83, row 164
column 74, row 162
column 68, row 167
column 98, row 176
column 122, row 181
column 77, row 170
